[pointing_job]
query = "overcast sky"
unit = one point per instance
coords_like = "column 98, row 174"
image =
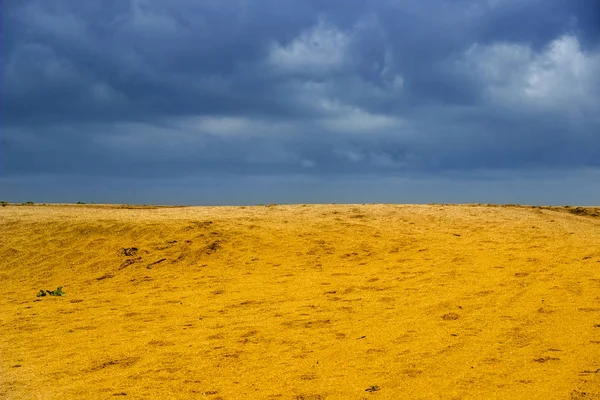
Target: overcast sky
column 306, row 101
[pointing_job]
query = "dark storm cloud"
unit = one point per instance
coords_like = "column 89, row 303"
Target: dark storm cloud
column 155, row 89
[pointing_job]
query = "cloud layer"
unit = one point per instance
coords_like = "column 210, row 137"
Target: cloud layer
column 159, row 91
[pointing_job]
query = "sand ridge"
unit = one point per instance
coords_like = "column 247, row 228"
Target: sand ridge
column 300, row 302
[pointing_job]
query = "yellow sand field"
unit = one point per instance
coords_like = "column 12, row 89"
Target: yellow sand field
column 300, row 302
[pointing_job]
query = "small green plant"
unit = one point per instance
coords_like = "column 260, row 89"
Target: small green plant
column 80, row 202
column 57, row 292
column 4, row 204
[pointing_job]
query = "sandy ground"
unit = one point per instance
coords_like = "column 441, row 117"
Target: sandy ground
column 300, row 302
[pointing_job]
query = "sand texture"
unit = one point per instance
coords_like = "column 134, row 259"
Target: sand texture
column 300, row 302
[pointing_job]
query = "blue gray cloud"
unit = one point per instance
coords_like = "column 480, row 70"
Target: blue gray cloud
column 237, row 90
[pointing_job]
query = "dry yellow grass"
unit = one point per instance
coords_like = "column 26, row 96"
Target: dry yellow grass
column 300, row 302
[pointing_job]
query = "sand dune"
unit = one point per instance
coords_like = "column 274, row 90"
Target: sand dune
column 300, row 302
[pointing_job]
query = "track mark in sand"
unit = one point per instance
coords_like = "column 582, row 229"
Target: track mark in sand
column 129, row 262
column 168, row 244
column 131, row 314
column 247, row 303
column 543, row 310
column 589, row 372
column 405, row 338
column 310, row 397
column 373, row 388
column 321, row 323
column 129, row 251
column 122, row 362
column 106, row 276
column 412, row 372
column 144, row 279
column 450, row 316
column 545, row 359
column 375, row 288
column 160, row 343
column 84, row 328
column 218, row 336
column 233, row 355
column 213, row 247
column 578, row 395
column 149, row 266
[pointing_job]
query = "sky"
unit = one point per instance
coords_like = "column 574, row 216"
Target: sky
column 300, row 101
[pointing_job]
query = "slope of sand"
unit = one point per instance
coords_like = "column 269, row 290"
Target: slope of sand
column 300, row 302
